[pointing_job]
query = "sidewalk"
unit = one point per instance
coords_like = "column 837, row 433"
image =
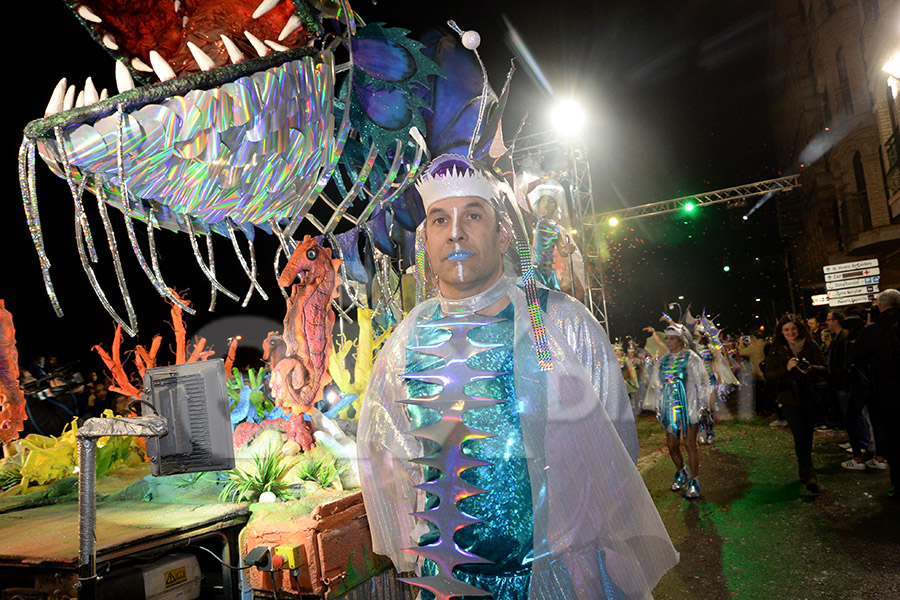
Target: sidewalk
column 756, row 533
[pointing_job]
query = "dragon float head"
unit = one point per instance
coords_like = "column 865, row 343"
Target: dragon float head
column 232, row 117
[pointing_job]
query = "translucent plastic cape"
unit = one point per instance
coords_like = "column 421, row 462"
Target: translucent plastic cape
column 696, row 386
column 581, row 443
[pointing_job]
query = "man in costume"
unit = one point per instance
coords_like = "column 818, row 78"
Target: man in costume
column 681, row 388
column 497, row 446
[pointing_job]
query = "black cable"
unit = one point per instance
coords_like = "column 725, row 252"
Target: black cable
column 139, row 401
column 213, row 554
column 274, row 591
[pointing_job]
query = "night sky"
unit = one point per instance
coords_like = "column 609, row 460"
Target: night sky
column 676, row 94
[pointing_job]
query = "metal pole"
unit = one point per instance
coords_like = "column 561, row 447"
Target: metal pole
column 87, row 518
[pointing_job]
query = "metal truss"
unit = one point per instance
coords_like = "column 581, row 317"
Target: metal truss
column 732, row 194
column 573, row 170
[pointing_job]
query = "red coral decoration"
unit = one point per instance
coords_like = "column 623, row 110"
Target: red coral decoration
column 12, row 400
column 296, row 429
column 146, row 359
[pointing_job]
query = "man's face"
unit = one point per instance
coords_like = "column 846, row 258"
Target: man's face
column 813, row 324
column 464, row 245
column 832, row 324
column 674, row 343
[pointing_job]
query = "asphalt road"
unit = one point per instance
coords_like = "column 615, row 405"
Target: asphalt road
column 756, row 532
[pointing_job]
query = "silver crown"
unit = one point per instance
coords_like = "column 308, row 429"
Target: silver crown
column 454, row 184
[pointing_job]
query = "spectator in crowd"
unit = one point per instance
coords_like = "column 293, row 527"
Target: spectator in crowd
column 839, row 372
column 792, row 366
column 816, row 332
column 877, row 354
column 754, row 349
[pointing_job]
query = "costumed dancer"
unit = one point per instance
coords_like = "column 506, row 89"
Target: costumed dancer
column 497, row 446
column 721, row 380
column 550, row 237
column 680, row 386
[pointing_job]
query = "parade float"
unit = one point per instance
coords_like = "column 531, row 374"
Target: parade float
column 290, row 119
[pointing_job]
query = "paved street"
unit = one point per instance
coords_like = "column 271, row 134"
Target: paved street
column 756, row 533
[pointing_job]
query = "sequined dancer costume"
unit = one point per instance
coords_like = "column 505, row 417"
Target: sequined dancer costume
column 681, row 390
column 522, row 485
column 548, row 235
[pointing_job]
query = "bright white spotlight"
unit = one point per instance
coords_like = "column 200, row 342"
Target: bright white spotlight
column 892, row 66
column 568, row 118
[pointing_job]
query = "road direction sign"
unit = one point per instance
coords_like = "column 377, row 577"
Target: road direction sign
column 857, row 291
column 851, row 283
column 855, row 274
column 864, row 299
column 851, row 266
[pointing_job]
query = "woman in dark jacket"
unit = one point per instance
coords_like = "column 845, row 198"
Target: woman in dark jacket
column 793, row 364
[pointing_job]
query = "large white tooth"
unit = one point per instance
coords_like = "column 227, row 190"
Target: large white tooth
column 90, row 92
column 79, row 101
column 292, row 25
column 124, row 81
column 110, row 42
column 139, row 65
column 161, row 67
column 184, row 21
column 264, row 7
column 69, row 100
column 56, row 98
column 103, row 95
column 260, row 48
column 276, row 46
column 203, row 61
column 88, row 15
column 234, row 53
column 177, row 5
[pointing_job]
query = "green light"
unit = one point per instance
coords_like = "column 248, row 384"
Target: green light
column 613, row 221
column 726, row 268
column 689, row 206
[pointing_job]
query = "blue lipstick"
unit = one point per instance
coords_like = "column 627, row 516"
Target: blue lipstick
column 458, row 255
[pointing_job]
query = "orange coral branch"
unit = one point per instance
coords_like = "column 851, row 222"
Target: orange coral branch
column 114, row 364
column 178, row 328
column 229, row 357
column 198, row 353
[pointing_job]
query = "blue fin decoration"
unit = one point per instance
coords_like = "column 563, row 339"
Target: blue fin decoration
column 408, row 209
column 348, row 242
column 377, row 226
column 383, row 59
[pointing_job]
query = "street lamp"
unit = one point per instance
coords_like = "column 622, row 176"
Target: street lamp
column 568, row 118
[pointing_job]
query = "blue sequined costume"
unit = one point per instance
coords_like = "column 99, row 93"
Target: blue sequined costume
column 505, row 534
column 564, row 513
column 681, row 389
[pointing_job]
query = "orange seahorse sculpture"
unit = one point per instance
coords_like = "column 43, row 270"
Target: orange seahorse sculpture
column 12, row 400
column 298, row 358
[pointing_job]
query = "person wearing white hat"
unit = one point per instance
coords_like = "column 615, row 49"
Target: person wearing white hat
column 681, row 389
column 497, row 445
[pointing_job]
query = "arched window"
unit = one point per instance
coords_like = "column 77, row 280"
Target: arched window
column 844, row 95
column 862, row 195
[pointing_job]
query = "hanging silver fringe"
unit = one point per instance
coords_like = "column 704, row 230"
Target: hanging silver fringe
column 251, row 270
column 209, row 271
column 154, row 261
column 29, row 199
column 117, row 263
column 79, row 242
column 76, row 194
column 285, row 247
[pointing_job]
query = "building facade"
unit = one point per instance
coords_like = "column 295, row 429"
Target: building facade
column 835, row 117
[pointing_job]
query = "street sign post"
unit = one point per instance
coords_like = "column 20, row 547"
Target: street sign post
column 853, row 282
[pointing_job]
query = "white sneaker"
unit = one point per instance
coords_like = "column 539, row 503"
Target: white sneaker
column 778, row 423
column 853, row 465
column 844, row 446
column 874, row 463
